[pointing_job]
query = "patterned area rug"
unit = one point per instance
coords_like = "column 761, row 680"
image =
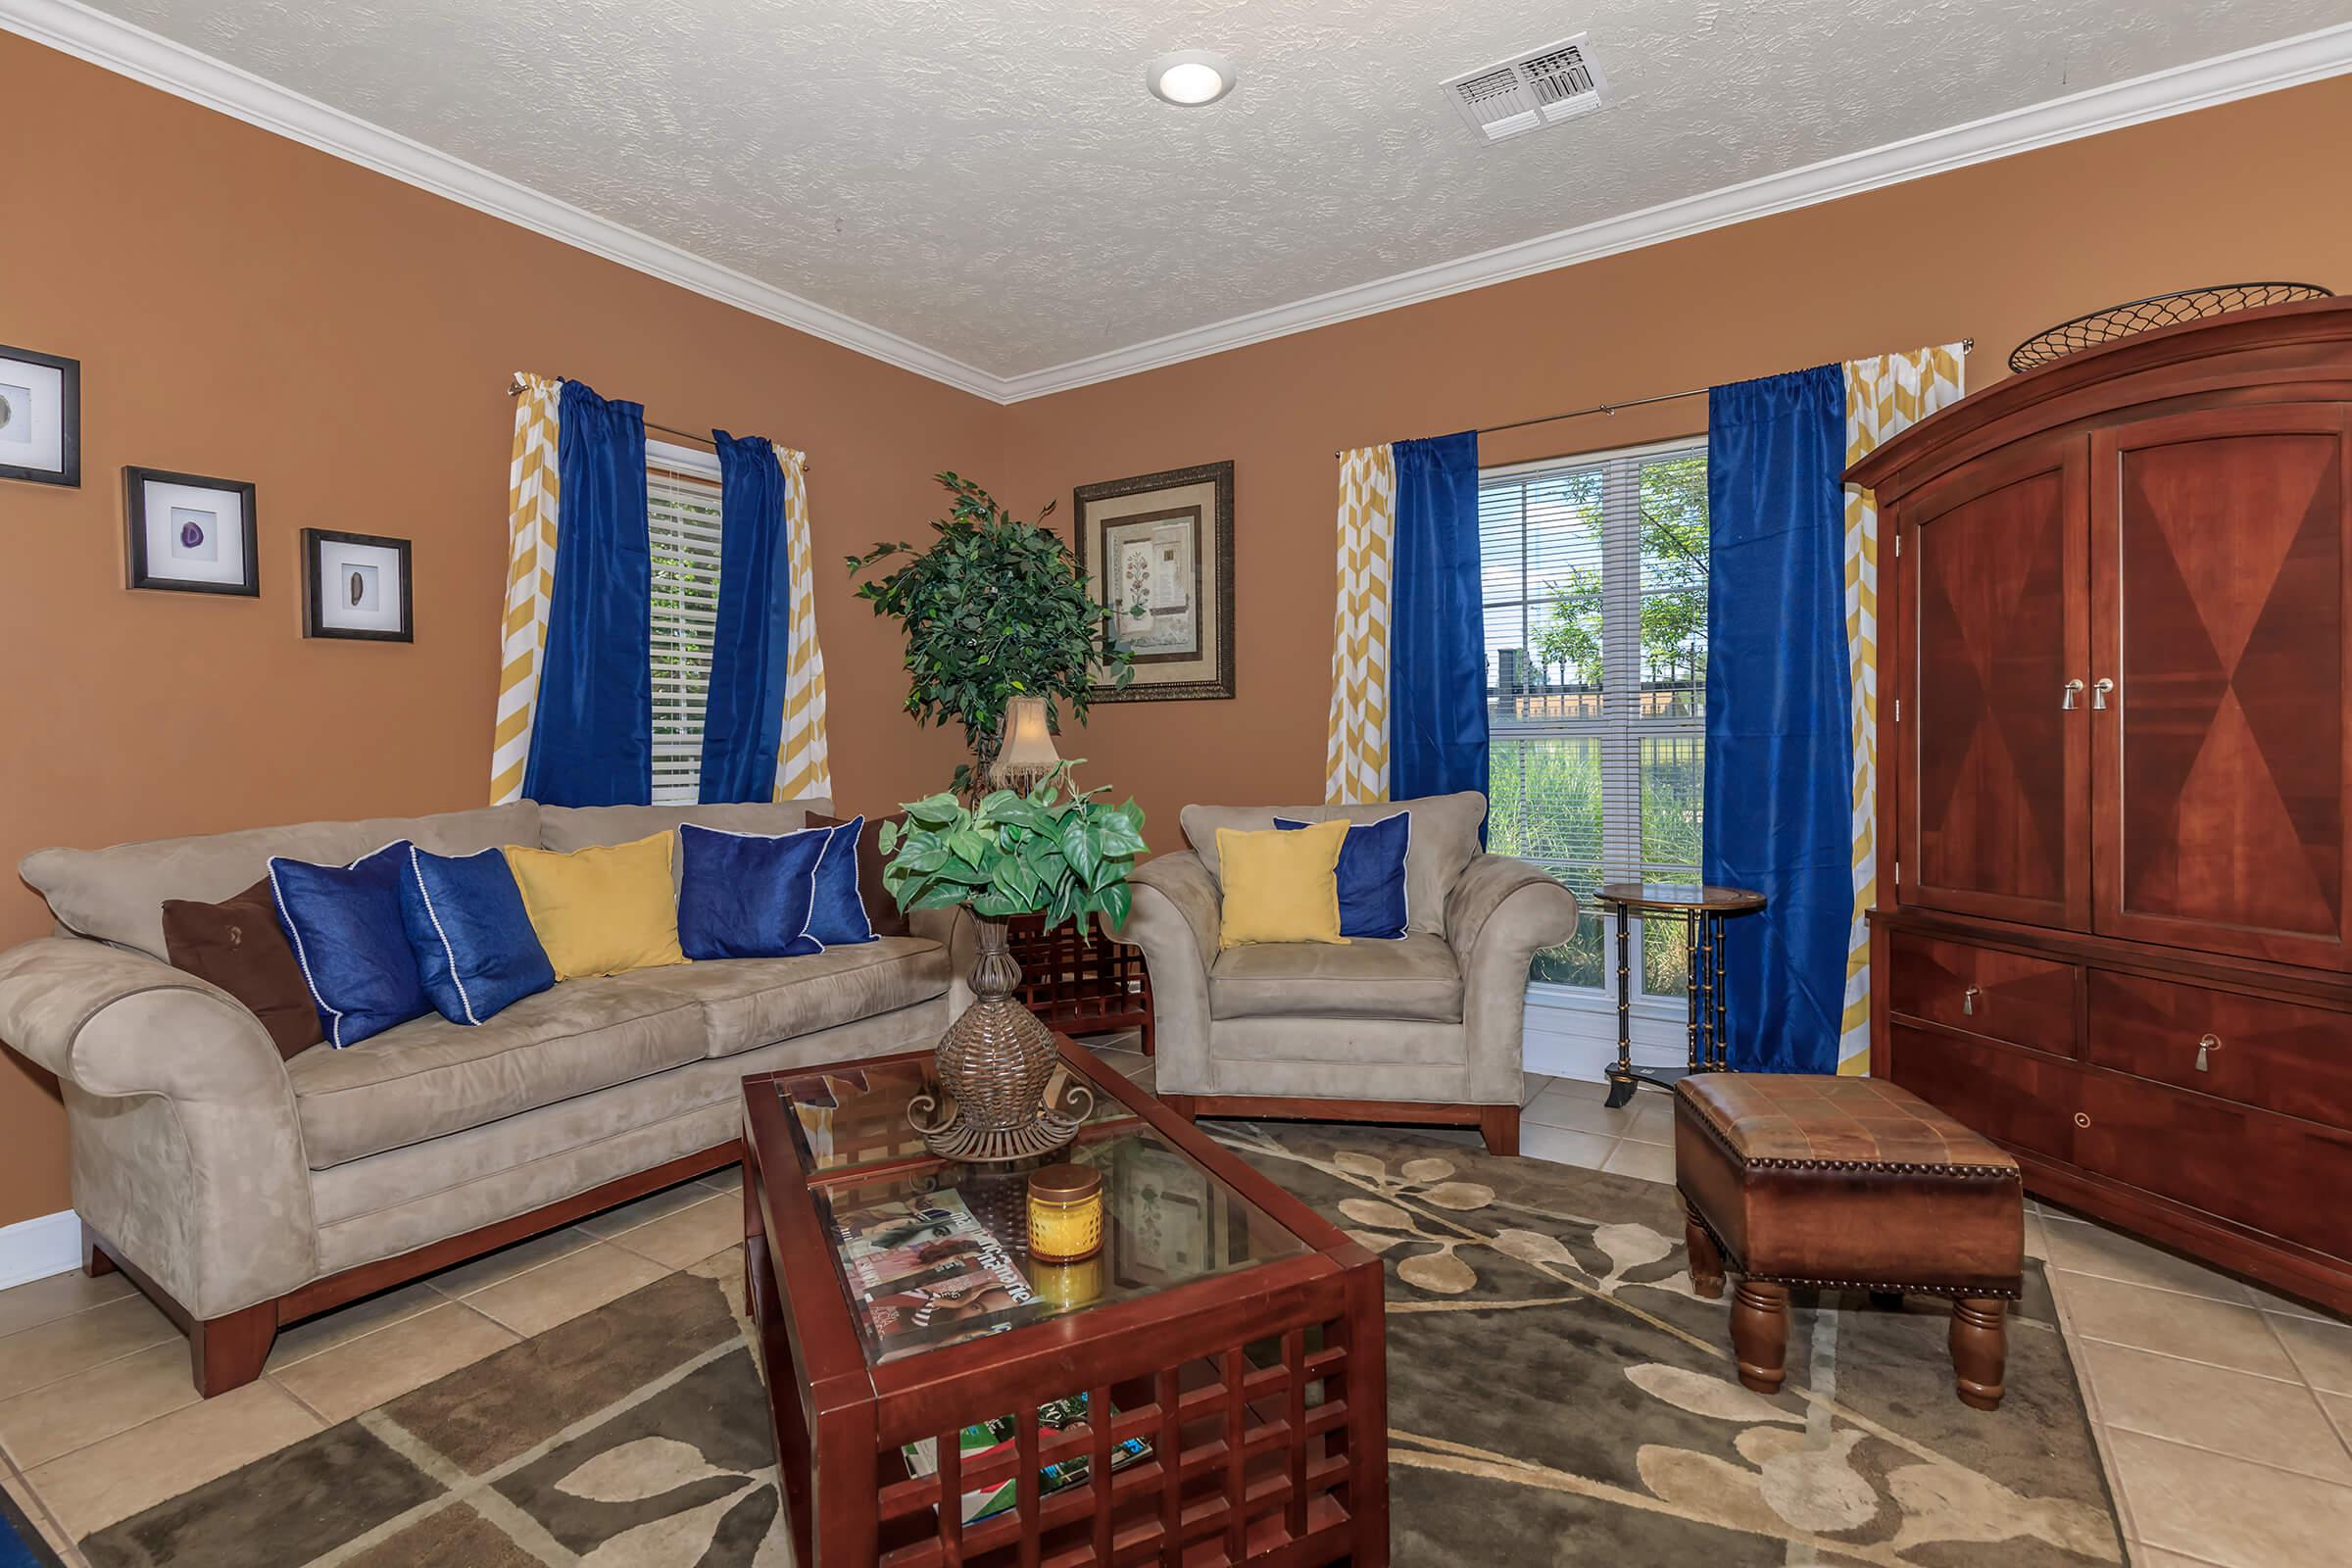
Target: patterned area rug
column 1557, row 1396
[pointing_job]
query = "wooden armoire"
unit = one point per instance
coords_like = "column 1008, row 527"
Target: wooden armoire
column 2115, row 918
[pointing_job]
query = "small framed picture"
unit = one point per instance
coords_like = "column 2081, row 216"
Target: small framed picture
column 190, row 534
column 41, row 417
column 354, row 585
column 1157, row 551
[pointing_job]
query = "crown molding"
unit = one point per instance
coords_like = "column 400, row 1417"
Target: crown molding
column 2266, row 68
column 132, row 51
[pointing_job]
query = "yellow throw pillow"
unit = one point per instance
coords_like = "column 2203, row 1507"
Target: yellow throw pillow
column 602, row 910
column 1281, row 886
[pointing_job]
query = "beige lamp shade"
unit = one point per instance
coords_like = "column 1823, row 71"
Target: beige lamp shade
column 1028, row 744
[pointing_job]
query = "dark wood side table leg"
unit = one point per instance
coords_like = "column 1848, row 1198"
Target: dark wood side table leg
column 1760, row 1334
column 1621, row 1071
column 1690, row 984
column 1720, row 1058
column 1706, row 1259
column 1979, row 1350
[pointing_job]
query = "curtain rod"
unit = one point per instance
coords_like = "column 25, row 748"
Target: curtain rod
column 808, row 466
column 1966, row 344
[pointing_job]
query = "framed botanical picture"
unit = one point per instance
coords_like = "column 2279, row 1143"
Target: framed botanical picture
column 41, row 417
column 189, row 533
column 1157, row 554
column 355, row 585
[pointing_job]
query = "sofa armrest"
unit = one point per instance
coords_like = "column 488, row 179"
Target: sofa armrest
column 1174, row 921
column 187, row 1151
column 1500, row 914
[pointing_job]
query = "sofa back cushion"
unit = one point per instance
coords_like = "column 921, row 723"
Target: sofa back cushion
column 1444, row 839
column 583, row 827
column 116, row 895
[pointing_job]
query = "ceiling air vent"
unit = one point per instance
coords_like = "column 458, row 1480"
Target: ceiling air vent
column 1541, row 88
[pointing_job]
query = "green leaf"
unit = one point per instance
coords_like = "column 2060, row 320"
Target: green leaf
column 1118, row 902
column 971, row 845
column 1078, row 844
column 934, row 810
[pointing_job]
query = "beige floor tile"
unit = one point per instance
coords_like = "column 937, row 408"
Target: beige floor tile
column 91, row 1488
column 658, row 1205
column 2089, row 1249
column 347, row 1323
column 575, row 1282
column 1556, row 1107
column 357, row 1376
column 2339, row 1411
column 1653, row 1119
column 2290, row 1306
column 2147, row 1556
column 1563, row 1146
column 1532, row 1084
column 2322, row 1350
column 2165, row 1321
column 687, row 1236
column 2038, row 1238
column 507, row 1261
column 729, row 1180
column 2270, row 1422
column 37, row 1301
column 1581, row 1088
column 1651, row 1162
column 65, row 1346
column 31, row 1507
column 2230, row 1511
column 77, row 1411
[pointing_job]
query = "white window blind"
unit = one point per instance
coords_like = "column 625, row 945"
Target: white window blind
column 681, row 492
column 1595, row 597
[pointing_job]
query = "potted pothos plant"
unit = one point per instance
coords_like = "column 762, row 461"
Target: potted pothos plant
column 994, row 609
column 1052, row 849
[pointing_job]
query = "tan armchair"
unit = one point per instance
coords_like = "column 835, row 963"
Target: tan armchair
column 1424, row 1029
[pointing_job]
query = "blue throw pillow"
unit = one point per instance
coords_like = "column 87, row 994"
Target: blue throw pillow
column 1371, row 875
column 344, row 923
column 837, row 918
column 476, row 949
column 748, row 895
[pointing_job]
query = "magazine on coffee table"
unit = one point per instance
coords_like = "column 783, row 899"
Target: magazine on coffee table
column 982, row 1438
column 925, row 1272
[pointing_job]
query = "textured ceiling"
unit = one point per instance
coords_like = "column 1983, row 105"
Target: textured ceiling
column 989, row 177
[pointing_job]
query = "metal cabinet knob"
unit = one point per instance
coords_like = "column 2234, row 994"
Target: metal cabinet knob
column 2073, row 695
column 1967, row 1000
column 2098, row 691
column 2206, row 1046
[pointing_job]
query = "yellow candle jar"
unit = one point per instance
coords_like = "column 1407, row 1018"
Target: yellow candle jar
column 1067, row 1285
column 1065, row 1213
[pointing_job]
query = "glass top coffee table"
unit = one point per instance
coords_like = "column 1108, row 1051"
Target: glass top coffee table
column 1208, row 1388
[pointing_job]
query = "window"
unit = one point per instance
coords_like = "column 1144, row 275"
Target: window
column 681, row 492
column 1595, row 597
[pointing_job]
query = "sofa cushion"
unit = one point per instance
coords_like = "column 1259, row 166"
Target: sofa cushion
column 755, row 1001
column 582, row 827
column 1412, row 977
column 239, row 945
column 882, row 911
column 116, row 895
column 430, row 1076
column 1444, row 839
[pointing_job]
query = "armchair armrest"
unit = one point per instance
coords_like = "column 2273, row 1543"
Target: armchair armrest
column 187, row 1151
column 1499, row 912
column 1174, row 921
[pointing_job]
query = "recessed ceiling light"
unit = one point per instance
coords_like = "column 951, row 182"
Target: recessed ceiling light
column 1188, row 77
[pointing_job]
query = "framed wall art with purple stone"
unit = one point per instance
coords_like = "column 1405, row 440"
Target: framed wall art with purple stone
column 189, row 533
column 41, row 417
column 355, row 585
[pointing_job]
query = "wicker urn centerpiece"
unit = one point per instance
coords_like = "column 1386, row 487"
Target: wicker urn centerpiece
column 1050, row 850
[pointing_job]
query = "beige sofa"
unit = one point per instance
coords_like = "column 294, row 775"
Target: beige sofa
column 244, row 1192
column 1424, row 1029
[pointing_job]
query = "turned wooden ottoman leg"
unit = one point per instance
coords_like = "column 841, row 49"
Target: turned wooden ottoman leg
column 1979, row 1348
column 1706, row 1258
column 1760, row 1334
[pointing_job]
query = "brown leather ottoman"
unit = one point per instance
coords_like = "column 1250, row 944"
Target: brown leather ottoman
column 1846, row 1184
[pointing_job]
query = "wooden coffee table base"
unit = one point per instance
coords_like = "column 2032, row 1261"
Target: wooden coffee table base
column 1261, row 1391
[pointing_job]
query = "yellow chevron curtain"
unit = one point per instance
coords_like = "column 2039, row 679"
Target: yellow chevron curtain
column 804, row 765
column 1356, row 753
column 1883, row 396
column 530, row 581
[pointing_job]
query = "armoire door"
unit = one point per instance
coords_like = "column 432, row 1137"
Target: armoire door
column 1995, row 746
column 2220, row 571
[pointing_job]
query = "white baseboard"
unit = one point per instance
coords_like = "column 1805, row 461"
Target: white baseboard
column 1576, row 1037
column 37, row 1247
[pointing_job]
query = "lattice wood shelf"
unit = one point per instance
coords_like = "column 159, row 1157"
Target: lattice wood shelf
column 1080, row 981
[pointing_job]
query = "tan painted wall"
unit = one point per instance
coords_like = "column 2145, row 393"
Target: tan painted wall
column 245, row 306
column 1998, row 252
column 248, row 308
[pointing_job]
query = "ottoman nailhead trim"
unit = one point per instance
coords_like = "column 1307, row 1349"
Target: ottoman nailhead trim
column 1723, row 1140
column 1732, row 1265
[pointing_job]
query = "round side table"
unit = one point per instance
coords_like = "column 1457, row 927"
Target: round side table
column 1703, row 909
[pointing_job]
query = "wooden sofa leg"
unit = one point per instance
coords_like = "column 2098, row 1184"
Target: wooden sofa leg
column 94, row 1261
column 227, row 1353
column 1499, row 1126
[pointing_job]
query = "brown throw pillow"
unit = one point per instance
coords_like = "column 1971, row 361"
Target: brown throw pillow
column 238, row 945
column 889, row 921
